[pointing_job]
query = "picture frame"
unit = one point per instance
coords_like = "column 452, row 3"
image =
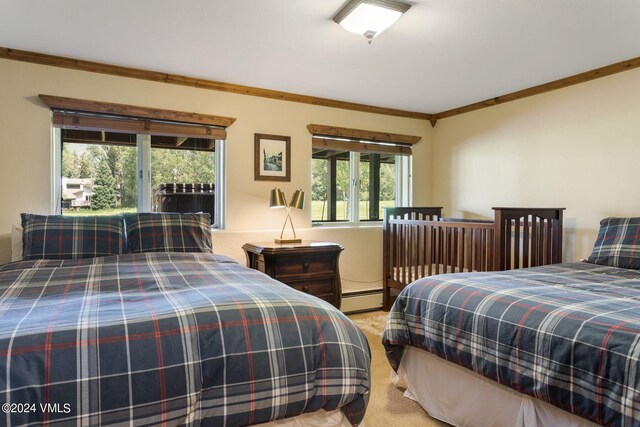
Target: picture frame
column 272, row 157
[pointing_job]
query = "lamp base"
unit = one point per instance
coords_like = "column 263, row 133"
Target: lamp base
column 288, row 240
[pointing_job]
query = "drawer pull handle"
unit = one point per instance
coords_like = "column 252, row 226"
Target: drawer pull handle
column 305, row 289
column 305, row 266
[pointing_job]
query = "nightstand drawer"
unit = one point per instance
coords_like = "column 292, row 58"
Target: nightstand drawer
column 303, row 264
column 310, row 266
column 315, row 287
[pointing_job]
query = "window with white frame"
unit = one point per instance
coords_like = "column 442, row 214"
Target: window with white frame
column 163, row 167
column 353, row 180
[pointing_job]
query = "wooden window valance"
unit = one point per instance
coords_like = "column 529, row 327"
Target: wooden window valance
column 363, row 141
column 79, row 114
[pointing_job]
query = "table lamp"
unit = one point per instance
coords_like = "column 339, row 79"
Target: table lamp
column 277, row 200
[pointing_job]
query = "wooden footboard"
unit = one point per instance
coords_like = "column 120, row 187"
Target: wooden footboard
column 417, row 242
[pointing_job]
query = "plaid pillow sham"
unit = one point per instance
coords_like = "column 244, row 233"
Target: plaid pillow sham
column 69, row 237
column 168, row 232
column 618, row 243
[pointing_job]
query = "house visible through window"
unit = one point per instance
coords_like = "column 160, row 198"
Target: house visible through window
column 353, row 180
column 101, row 164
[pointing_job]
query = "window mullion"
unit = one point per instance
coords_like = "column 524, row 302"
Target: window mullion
column 354, row 188
column 144, row 173
column 408, row 176
column 374, row 187
column 220, row 188
column 399, row 181
column 56, row 157
column 332, row 188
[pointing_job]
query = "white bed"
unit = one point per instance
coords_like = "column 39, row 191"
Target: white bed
column 320, row 418
column 460, row 397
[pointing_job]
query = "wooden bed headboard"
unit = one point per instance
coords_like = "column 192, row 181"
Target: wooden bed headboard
column 527, row 237
column 418, row 242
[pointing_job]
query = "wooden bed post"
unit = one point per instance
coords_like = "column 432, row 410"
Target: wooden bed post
column 385, row 260
column 557, row 239
column 498, row 241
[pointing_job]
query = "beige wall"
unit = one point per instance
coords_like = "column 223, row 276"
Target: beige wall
column 577, row 147
column 25, row 153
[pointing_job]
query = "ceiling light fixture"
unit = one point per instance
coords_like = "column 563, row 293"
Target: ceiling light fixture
column 369, row 17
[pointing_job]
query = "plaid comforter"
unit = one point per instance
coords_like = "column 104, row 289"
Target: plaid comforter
column 568, row 334
column 170, row 339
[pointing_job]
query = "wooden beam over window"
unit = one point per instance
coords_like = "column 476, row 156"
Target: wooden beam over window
column 360, row 134
column 360, row 147
column 73, row 104
column 82, row 114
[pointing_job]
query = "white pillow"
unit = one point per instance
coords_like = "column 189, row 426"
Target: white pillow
column 16, row 243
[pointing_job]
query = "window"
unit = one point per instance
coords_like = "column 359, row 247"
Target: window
column 101, row 173
column 354, row 179
column 377, row 185
column 108, row 163
column 330, row 185
column 98, row 172
column 336, row 196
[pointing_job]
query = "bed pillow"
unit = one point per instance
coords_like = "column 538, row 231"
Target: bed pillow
column 618, row 243
column 168, row 232
column 16, row 243
column 71, row 237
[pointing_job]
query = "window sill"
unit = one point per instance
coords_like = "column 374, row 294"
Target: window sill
column 325, row 225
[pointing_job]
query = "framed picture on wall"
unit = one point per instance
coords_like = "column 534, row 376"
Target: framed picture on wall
column 272, row 157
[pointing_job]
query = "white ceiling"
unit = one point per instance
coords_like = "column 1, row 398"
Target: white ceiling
column 440, row 55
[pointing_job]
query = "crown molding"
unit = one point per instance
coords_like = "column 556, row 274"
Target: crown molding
column 137, row 73
column 597, row 73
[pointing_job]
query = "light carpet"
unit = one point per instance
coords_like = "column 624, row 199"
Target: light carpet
column 387, row 405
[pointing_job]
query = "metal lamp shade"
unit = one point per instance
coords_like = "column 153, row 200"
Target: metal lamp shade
column 297, row 200
column 276, row 200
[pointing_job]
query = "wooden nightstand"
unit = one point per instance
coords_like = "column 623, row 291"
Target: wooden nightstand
column 310, row 266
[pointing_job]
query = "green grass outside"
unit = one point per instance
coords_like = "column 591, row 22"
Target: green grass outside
column 316, row 210
column 87, row 212
column 341, row 209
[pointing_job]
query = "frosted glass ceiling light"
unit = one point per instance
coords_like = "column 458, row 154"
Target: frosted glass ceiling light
column 369, row 17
